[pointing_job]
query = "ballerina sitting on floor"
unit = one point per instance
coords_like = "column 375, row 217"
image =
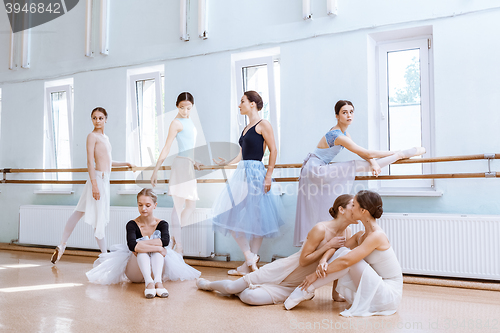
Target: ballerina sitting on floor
column 274, row 282
column 146, row 259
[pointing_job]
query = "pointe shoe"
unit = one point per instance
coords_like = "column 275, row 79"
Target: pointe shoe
column 58, row 252
column 419, row 151
column 252, row 263
column 202, row 284
column 161, row 292
column 297, row 296
column 150, row 293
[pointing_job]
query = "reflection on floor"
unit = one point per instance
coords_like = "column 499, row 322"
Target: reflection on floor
column 59, row 299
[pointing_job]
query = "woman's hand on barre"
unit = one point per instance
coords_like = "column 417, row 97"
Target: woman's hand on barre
column 221, row 161
column 197, row 165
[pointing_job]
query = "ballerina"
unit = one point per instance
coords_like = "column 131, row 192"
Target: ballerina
column 94, row 201
column 249, row 208
column 274, row 282
column 320, row 182
column 182, row 183
column 369, row 275
column 145, row 258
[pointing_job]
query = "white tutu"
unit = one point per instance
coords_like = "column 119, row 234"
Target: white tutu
column 380, row 289
column 96, row 211
column 182, row 182
column 110, row 267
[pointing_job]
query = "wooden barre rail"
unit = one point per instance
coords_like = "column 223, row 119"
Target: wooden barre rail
column 289, row 179
column 277, row 166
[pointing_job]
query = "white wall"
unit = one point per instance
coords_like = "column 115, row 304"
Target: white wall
column 322, row 60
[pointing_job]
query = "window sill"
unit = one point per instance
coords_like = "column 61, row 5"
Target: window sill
column 409, row 193
column 53, row 192
column 134, row 192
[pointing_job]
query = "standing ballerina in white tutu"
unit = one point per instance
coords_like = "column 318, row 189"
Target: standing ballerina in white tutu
column 369, row 275
column 249, row 208
column 182, row 183
column 274, row 282
column 94, row 202
column 320, row 182
column 145, row 258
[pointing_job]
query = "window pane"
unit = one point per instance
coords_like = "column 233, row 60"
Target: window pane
column 405, row 116
column 146, row 118
column 0, row 112
column 255, row 78
column 60, row 127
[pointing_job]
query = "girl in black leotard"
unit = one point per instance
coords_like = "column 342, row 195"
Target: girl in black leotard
column 145, row 258
column 249, row 207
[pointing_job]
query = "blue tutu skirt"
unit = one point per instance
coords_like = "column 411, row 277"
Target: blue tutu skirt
column 243, row 209
column 110, row 267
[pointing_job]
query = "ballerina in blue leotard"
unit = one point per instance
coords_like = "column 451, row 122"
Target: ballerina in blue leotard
column 320, row 183
column 182, row 183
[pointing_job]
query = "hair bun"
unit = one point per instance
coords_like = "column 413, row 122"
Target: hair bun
column 332, row 212
column 377, row 212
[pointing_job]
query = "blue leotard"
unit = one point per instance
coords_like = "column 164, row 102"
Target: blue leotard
column 186, row 138
column 328, row 154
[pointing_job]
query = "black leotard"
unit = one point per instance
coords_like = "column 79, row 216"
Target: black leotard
column 252, row 144
column 134, row 232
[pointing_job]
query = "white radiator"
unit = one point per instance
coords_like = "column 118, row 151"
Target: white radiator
column 444, row 245
column 43, row 225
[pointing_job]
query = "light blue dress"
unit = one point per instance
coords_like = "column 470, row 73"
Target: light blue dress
column 320, row 183
column 242, row 208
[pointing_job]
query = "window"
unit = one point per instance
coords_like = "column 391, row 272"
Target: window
column 146, row 106
column 262, row 75
column 58, row 132
column 0, row 113
column 404, row 99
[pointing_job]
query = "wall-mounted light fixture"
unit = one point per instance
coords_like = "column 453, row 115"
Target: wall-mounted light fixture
column 26, row 48
column 12, row 43
column 88, row 28
column 306, row 10
column 331, row 7
column 184, row 20
column 11, row 55
column 104, row 27
column 202, row 19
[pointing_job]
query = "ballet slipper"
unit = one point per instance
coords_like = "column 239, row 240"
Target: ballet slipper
column 239, row 271
column 252, row 263
column 161, row 292
column 337, row 297
column 235, row 272
column 58, row 252
column 178, row 248
column 203, row 284
column 415, row 151
column 297, row 296
column 150, row 293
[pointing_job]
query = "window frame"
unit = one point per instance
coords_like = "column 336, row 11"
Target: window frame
column 50, row 155
column 426, row 84
column 159, row 104
column 273, row 105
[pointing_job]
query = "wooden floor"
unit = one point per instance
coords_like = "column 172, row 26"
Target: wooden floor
column 36, row 296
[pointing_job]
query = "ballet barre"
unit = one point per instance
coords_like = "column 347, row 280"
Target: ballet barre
column 488, row 174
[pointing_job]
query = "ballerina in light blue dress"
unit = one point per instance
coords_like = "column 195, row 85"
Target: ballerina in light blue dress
column 321, row 181
column 249, row 208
